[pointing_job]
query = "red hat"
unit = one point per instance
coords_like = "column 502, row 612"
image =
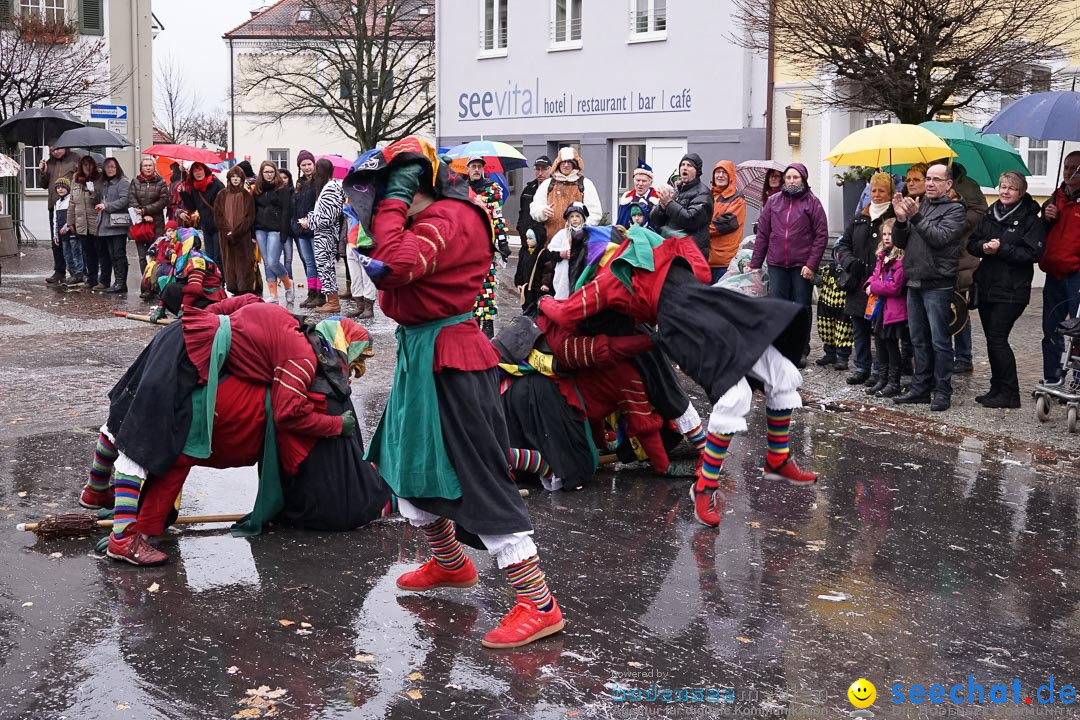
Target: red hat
column 172, row 225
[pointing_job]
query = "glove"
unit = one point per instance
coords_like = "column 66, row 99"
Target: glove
column 504, row 247
column 102, row 545
column 403, row 182
column 158, row 313
column 348, row 424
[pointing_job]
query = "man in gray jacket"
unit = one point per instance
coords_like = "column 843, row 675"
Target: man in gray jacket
column 687, row 210
column 929, row 230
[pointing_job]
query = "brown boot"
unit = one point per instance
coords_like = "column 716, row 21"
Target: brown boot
column 332, row 305
column 365, row 309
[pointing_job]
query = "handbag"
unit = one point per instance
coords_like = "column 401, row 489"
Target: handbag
column 873, row 306
column 117, row 220
column 142, row 232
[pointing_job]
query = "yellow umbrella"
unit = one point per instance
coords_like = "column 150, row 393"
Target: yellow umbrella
column 889, row 144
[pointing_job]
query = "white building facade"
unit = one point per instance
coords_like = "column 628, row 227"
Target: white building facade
column 618, row 79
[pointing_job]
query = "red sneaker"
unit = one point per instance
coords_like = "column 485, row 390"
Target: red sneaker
column 708, row 505
column 432, row 575
column 525, row 624
column 789, row 471
column 136, row 550
column 96, row 499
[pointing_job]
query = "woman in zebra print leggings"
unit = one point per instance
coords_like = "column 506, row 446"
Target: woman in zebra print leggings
column 325, row 221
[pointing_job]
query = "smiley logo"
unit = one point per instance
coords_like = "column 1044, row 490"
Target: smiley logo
column 862, row 693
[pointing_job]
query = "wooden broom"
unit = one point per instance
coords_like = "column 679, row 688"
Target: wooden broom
column 75, row 524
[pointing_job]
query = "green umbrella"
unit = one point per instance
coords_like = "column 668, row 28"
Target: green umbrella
column 984, row 157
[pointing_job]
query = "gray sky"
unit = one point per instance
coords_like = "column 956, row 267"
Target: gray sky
column 192, row 37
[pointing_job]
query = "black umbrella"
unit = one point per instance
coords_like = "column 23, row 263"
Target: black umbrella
column 36, row 126
column 90, row 137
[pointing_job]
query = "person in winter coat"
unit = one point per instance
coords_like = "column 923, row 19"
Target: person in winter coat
column 792, row 235
column 176, row 184
column 148, row 194
column 542, row 168
column 566, row 185
column 60, row 163
column 234, row 217
column 968, row 192
column 1009, row 239
column 113, row 221
column 857, row 254
column 642, row 195
column 563, row 249
column 272, row 213
column 85, row 194
column 528, row 277
column 197, row 196
column 889, row 322
column 287, row 240
column 773, row 184
column 303, row 202
column 1061, row 263
column 728, row 219
column 325, row 221
column 686, row 209
column 65, row 233
column 928, row 230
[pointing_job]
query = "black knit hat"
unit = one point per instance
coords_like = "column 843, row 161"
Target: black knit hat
column 694, row 159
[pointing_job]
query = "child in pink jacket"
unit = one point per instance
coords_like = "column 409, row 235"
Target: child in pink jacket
column 889, row 321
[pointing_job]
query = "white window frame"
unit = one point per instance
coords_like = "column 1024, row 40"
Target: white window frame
column 493, row 43
column 567, row 41
column 616, row 182
column 50, row 12
column 281, row 165
column 652, row 19
column 32, row 155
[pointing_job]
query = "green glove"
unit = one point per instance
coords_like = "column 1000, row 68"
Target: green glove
column 102, row 545
column 348, row 424
column 158, row 313
column 403, row 182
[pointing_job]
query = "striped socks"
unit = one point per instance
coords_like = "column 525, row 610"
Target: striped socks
column 696, row 437
column 530, row 583
column 445, row 548
column 529, row 461
column 712, row 460
column 104, row 456
column 777, row 430
column 127, row 492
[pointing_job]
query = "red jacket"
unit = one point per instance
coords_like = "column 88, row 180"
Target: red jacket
column 1062, row 254
column 437, row 261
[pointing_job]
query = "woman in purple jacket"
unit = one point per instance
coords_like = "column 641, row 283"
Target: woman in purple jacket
column 792, row 235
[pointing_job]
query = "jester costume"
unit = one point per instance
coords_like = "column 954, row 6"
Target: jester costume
column 165, row 407
column 442, row 443
column 185, row 275
column 718, row 337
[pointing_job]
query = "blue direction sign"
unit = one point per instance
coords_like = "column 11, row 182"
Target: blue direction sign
column 111, row 112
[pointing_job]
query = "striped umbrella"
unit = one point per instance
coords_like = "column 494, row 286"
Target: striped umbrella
column 750, row 179
column 498, row 156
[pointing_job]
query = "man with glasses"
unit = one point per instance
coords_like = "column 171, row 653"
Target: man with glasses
column 1061, row 263
column 929, row 229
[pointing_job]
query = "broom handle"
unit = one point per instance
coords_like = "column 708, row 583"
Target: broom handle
column 182, row 520
column 143, row 318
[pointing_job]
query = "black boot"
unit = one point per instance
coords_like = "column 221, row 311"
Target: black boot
column 828, row 358
column 873, row 379
column 858, row 377
column 56, row 277
column 877, row 387
column 892, row 387
column 488, row 326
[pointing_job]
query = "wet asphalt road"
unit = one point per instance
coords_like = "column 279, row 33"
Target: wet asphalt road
column 915, row 560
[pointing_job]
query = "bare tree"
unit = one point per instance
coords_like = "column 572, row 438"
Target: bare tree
column 174, row 106
column 363, row 66
column 910, row 58
column 50, row 64
column 209, row 127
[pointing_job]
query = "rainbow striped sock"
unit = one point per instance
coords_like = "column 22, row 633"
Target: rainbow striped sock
column 778, row 425
column 530, row 583
column 712, row 460
column 104, row 456
column 530, row 461
column 696, row 437
column 445, row 548
column 127, row 492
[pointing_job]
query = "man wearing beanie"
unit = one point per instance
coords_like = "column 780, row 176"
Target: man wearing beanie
column 687, row 208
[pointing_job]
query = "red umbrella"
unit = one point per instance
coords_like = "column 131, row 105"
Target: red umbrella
column 188, row 153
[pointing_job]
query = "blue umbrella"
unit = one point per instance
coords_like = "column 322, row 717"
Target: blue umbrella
column 1042, row 116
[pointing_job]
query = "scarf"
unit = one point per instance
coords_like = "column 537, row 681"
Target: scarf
column 201, row 185
column 878, row 209
column 572, row 177
column 266, row 187
column 999, row 207
column 794, row 190
column 148, row 178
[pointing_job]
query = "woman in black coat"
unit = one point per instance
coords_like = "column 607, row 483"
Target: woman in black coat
column 1010, row 239
column 197, row 195
column 856, row 252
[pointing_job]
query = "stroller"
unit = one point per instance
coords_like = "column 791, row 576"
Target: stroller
column 1067, row 391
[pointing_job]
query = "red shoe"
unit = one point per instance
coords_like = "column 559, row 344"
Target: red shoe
column 432, row 575
column 708, row 505
column 136, row 550
column 96, row 499
column 525, row 624
column 789, row 471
